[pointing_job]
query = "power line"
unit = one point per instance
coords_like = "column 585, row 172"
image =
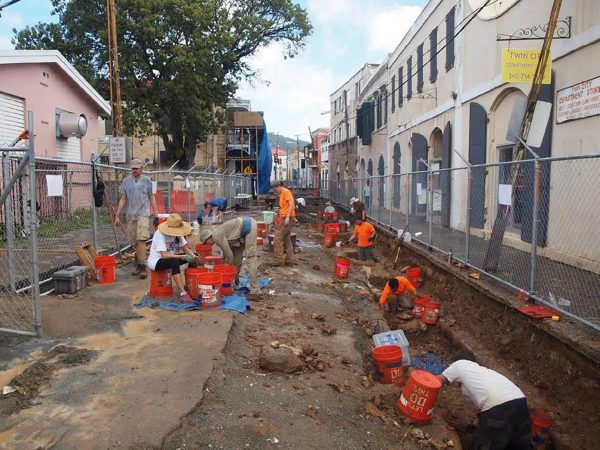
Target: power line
column 467, row 19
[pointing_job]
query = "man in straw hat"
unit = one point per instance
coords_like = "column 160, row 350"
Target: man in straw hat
column 282, row 242
column 166, row 241
column 233, row 237
column 358, row 209
column 136, row 191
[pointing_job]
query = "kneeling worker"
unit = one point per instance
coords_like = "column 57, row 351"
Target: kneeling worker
column 233, row 237
column 365, row 232
column 393, row 294
column 166, row 241
column 503, row 420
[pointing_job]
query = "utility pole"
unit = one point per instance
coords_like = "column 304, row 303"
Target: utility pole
column 113, row 68
column 298, row 156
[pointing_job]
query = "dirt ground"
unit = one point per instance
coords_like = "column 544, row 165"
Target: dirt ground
column 195, row 379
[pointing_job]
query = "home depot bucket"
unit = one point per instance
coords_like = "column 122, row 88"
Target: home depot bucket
column 261, row 229
column 162, row 218
column 419, row 303
column 332, row 228
column 413, row 274
column 342, row 267
column 211, row 261
column 431, row 312
column 160, row 284
column 268, row 216
column 228, row 273
column 329, row 239
column 541, row 422
column 191, row 280
column 419, row 395
column 388, row 362
column 209, row 286
column 204, row 250
column 330, row 216
column 260, row 241
column 105, row 269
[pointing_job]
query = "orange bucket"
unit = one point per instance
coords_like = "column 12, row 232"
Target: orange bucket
column 160, row 284
column 342, row 267
column 211, row 261
column 204, row 250
column 228, row 273
column 343, row 227
column 261, row 229
column 330, row 238
column 105, row 269
column 413, row 274
column 419, row 395
column 332, row 228
column 260, row 241
column 209, row 286
column 431, row 312
column 419, row 303
column 330, row 216
column 191, row 280
column 388, row 362
column 541, row 422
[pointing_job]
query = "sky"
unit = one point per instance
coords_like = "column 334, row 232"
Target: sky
column 293, row 93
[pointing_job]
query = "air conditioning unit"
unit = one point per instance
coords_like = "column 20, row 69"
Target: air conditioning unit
column 148, row 160
column 70, row 125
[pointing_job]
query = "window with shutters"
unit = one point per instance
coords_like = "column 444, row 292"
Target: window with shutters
column 400, row 86
column 420, row 81
column 379, row 116
column 393, row 93
column 450, row 40
column 433, row 56
column 409, row 78
column 385, row 106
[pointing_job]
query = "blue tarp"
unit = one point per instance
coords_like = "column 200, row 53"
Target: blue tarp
column 265, row 163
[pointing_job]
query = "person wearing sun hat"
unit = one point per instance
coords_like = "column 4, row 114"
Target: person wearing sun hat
column 166, row 241
column 358, row 209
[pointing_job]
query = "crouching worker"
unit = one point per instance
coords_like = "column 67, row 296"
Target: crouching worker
column 365, row 233
column 233, row 237
column 166, row 241
column 503, row 420
column 393, row 294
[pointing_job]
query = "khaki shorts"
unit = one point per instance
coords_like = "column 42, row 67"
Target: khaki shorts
column 137, row 230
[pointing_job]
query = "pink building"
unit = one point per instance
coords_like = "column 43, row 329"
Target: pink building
column 44, row 82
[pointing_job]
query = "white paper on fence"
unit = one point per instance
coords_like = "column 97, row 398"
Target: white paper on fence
column 419, row 189
column 187, row 182
column 154, row 186
column 505, row 194
column 55, row 185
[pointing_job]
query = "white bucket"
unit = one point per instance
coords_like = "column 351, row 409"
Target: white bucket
column 268, row 216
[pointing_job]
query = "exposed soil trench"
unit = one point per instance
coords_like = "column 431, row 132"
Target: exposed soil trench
column 338, row 403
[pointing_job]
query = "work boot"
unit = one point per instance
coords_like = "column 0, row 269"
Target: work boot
column 138, row 270
column 143, row 272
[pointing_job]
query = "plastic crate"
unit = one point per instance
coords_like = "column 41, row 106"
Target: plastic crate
column 70, row 280
column 395, row 337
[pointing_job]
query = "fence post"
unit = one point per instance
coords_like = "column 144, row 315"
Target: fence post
column 430, row 206
column 407, row 202
column 94, row 212
column 35, row 277
column 535, row 221
column 10, row 223
column 391, row 200
column 468, row 219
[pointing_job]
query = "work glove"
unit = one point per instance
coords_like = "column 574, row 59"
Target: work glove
column 188, row 259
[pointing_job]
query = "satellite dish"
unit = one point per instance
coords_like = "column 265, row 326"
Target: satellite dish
column 494, row 9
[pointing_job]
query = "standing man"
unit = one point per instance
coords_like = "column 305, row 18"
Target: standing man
column 282, row 242
column 136, row 191
column 393, row 294
column 358, row 209
column 233, row 237
column 365, row 232
column 367, row 195
column 503, row 420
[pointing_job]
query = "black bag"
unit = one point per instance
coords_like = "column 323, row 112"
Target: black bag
column 99, row 192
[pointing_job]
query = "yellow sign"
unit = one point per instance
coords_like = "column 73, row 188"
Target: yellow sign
column 248, row 170
column 518, row 65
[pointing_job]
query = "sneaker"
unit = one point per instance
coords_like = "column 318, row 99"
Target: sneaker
column 185, row 297
column 138, row 270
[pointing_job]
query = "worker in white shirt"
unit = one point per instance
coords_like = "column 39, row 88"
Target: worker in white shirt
column 503, row 420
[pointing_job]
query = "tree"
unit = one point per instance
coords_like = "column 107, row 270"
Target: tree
column 178, row 58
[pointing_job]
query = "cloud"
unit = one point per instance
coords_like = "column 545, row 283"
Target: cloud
column 297, row 93
column 9, row 20
column 387, row 28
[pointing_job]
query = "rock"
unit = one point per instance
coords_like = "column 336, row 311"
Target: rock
column 319, row 317
column 437, row 444
column 316, row 267
column 275, row 344
column 328, row 329
column 279, row 360
column 372, row 410
column 406, row 316
column 423, row 326
column 417, row 433
column 346, row 360
column 337, row 387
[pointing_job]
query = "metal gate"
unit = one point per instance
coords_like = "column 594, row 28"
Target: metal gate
column 19, row 279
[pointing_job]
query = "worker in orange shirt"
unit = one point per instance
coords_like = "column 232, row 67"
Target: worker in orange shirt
column 365, row 233
column 393, row 294
column 282, row 241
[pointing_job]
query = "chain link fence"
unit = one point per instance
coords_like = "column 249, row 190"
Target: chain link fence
column 528, row 225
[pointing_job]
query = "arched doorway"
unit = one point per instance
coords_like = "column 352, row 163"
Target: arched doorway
column 381, row 180
column 418, row 189
column 362, row 172
column 396, row 179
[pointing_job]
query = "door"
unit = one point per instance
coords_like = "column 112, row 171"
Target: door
column 419, row 181
column 477, row 144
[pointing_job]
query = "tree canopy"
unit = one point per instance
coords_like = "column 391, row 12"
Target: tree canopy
column 177, row 58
